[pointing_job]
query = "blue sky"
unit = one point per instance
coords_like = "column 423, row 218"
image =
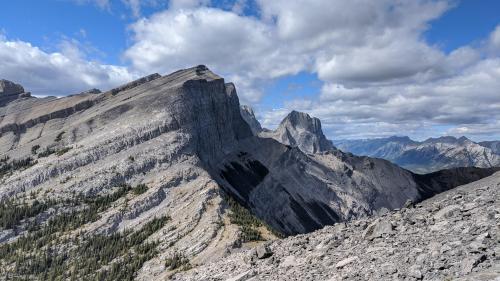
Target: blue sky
column 366, row 69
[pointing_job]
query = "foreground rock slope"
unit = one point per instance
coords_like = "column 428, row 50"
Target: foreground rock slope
column 453, row 236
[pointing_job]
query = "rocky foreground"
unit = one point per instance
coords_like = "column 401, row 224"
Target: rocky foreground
column 452, row 236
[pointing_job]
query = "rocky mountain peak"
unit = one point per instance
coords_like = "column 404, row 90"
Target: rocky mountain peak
column 298, row 129
column 430, row 155
column 302, row 120
column 249, row 116
column 10, row 91
column 10, row 88
column 443, row 139
column 400, row 139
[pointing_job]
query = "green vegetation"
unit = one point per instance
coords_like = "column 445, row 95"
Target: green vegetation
column 34, row 149
column 248, row 223
column 140, row 189
column 63, row 150
column 59, row 136
column 12, row 214
column 55, row 251
column 48, row 151
column 17, row 164
column 177, row 261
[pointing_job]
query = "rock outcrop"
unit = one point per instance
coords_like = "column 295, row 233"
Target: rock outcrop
column 10, row 91
column 300, row 130
column 453, row 236
column 428, row 156
column 249, row 117
column 493, row 145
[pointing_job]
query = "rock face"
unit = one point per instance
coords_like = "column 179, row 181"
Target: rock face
column 428, row 156
column 453, row 236
column 297, row 190
column 162, row 133
column 493, row 145
column 10, row 88
column 249, row 117
column 298, row 129
column 10, row 91
column 154, row 162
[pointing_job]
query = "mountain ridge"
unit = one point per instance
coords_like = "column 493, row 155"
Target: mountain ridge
column 171, row 160
column 426, row 156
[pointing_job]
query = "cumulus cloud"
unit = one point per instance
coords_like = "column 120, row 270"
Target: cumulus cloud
column 494, row 41
column 240, row 48
column 351, row 42
column 56, row 73
column 380, row 75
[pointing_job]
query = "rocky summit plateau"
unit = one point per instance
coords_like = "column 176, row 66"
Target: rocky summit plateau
column 169, row 177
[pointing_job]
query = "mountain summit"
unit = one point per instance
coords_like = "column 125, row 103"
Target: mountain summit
column 249, row 117
column 10, row 91
column 300, row 130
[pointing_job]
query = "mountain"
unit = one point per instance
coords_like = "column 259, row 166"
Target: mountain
column 493, row 145
column 249, row 117
column 10, row 91
column 298, row 129
column 430, row 155
column 163, row 174
column 448, row 237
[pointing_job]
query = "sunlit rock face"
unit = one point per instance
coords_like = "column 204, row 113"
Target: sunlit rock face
column 300, row 130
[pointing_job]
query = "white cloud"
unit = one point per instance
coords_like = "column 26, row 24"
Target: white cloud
column 240, row 48
column 57, row 73
column 348, row 42
column 494, row 41
column 380, row 75
column 134, row 6
column 187, row 4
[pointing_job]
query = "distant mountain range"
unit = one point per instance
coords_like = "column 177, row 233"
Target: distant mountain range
column 427, row 156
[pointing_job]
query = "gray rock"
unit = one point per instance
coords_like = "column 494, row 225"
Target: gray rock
column 263, row 251
column 446, row 212
column 378, row 229
column 300, row 130
column 468, row 264
column 10, row 88
column 249, row 117
column 415, row 272
column 346, row 262
column 415, row 254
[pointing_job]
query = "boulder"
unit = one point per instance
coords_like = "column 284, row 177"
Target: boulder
column 378, row 229
column 346, row 261
column 263, row 251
